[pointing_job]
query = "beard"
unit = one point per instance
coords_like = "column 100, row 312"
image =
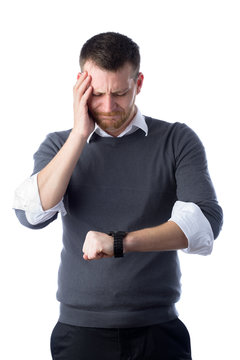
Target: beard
column 112, row 120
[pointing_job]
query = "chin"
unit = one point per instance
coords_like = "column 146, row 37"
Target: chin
column 107, row 127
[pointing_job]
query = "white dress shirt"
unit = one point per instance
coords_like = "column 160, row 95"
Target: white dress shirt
column 188, row 216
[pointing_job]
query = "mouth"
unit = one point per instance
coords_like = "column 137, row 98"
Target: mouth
column 108, row 117
column 108, row 114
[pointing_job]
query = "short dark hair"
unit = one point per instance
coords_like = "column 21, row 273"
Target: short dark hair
column 110, row 51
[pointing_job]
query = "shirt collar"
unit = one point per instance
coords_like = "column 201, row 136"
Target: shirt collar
column 138, row 122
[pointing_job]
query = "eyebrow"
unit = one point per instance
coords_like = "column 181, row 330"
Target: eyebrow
column 120, row 91
column 112, row 92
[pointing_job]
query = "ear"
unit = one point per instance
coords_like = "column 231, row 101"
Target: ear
column 139, row 82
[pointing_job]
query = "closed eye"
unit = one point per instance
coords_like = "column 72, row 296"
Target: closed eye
column 121, row 93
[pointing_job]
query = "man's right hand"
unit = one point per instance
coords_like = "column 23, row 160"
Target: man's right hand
column 54, row 178
column 82, row 90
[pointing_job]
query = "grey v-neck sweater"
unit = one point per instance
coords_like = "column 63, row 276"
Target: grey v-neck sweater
column 127, row 184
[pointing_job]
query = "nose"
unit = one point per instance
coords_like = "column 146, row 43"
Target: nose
column 108, row 103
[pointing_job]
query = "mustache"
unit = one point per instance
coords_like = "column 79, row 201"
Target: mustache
column 112, row 113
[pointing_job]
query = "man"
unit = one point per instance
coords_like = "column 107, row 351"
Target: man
column 132, row 191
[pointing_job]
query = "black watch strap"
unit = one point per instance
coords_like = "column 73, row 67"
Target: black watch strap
column 118, row 242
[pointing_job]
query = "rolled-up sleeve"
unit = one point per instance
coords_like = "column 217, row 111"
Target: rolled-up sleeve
column 27, row 203
column 27, row 198
column 195, row 226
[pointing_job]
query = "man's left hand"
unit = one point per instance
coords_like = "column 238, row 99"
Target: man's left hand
column 97, row 245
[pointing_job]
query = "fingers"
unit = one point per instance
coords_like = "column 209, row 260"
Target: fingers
column 80, row 78
column 82, row 91
column 91, row 254
column 97, row 246
column 82, row 84
column 86, row 95
column 94, row 256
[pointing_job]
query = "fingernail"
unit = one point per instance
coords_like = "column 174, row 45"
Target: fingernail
column 79, row 74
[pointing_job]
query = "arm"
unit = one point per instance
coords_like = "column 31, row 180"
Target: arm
column 187, row 229
column 196, row 227
column 27, row 198
column 21, row 215
column 53, row 179
column 194, row 184
column 55, row 160
column 165, row 237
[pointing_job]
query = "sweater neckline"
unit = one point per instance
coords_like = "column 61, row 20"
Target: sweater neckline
column 117, row 140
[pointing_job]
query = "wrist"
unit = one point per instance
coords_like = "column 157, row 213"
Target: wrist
column 118, row 250
column 129, row 241
column 78, row 136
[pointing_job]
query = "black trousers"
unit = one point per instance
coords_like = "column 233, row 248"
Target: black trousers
column 168, row 341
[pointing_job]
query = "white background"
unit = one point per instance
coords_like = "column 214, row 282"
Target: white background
column 190, row 59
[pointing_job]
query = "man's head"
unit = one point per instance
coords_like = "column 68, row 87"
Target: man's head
column 111, row 51
column 112, row 60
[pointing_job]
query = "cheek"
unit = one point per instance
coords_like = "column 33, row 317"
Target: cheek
column 132, row 96
column 93, row 103
column 127, row 102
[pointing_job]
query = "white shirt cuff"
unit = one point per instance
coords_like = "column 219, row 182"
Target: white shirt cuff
column 189, row 217
column 27, row 198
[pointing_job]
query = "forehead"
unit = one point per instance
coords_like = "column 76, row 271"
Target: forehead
column 113, row 80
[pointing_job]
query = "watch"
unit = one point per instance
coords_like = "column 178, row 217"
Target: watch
column 118, row 242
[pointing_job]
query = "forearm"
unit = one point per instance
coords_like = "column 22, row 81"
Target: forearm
column 165, row 237
column 54, row 178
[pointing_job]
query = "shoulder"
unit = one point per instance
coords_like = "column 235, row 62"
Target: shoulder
column 175, row 130
column 54, row 140
column 49, row 148
column 58, row 137
column 52, row 143
column 177, row 137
